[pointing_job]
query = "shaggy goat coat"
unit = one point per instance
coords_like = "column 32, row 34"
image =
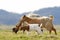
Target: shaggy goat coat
column 31, row 27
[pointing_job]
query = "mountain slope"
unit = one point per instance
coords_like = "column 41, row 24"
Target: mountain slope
column 10, row 18
column 55, row 11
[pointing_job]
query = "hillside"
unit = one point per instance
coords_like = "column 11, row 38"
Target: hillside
column 55, row 11
column 10, row 18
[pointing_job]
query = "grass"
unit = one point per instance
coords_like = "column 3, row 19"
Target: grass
column 9, row 35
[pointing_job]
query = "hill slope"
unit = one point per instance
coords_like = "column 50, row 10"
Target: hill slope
column 10, row 18
column 55, row 11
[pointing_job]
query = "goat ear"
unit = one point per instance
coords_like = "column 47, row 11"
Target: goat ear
column 24, row 15
column 52, row 17
column 16, row 25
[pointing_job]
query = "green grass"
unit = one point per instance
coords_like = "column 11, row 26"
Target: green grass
column 9, row 35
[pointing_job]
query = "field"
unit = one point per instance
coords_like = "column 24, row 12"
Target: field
column 7, row 34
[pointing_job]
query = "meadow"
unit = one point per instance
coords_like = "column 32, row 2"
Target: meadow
column 7, row 34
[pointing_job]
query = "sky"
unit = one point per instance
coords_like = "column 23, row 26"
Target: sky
column 21, row 6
